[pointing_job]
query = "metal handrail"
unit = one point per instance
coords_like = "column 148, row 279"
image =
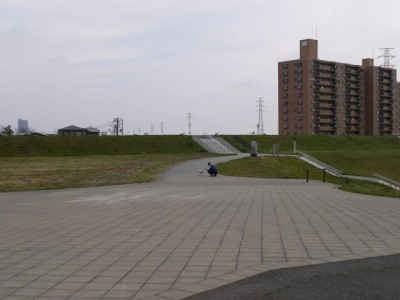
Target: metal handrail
column 329, row 169
column 388, row 181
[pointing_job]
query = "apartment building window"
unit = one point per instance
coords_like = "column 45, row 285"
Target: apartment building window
column 285, row 126
column 285, row 88
column 298, row 72
column 285, row 73
column 298, row 87
column 298, row 79
column 299, row 64
column 299, row 125
column 285, row 96
column 298, row 118
column 285, row 66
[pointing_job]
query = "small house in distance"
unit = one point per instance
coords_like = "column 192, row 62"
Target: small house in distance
column 78, row 131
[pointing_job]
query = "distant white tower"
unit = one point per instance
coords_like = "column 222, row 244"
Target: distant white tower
column 387, row 57
column 260, row 109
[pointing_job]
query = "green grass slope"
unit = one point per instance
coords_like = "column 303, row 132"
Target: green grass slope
column 22, row 146
column 355, row 155
column 294, row 168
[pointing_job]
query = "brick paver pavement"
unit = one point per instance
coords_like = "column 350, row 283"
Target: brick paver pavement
column 181, row 235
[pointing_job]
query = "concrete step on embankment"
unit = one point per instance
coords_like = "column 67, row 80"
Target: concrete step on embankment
column 215, row 144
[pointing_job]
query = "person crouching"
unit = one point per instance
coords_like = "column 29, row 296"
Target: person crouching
column 212, row 170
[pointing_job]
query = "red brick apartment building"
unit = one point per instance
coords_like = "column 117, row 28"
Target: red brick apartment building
column 326, row 97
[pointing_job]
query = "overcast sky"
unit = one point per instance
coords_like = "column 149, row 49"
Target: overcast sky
column 86, row 62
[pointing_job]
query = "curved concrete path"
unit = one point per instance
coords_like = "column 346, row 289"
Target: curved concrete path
column 182, row 235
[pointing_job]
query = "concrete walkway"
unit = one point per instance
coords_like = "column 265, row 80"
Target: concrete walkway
column 182, row 235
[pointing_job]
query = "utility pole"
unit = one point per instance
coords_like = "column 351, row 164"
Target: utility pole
column 260, row 109
column 189, row 123
column 151, row 128
column 118, row 126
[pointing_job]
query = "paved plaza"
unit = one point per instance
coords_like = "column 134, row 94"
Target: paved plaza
column 182, row 235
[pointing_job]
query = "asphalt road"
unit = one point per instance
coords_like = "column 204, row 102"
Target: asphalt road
column 371, row 278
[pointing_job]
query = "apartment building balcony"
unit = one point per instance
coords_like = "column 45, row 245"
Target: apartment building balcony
column 324, row 74
column 353, row 114
column 353, row 77
column 387, row 74
column 325, row 120
column 325, row 81
column 353, row 130
column 326, row 97
column 325, row 112
column 325, row 127
column 386, row 101
column 386, row 114
column 353, row 121
column 387, row 96
column 385, row 107
column 325, row 90
column 353, row 70
column 325, row 66
column 386, row 129
column 386, row 81
column 385, row 89
column 353, row 85
column 353, row 91
column 353, row 106
column 325, row 105
column 385, row 121
column 353, row 99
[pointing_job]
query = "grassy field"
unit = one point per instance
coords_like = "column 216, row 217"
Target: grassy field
column 32, row 163
column 35, row 173
column 355, row 155
column 294, row 168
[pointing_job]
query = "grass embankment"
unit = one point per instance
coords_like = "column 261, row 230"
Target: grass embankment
column 23, row 146
column 293, row 168
column 354, row 155
column 32, row 163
